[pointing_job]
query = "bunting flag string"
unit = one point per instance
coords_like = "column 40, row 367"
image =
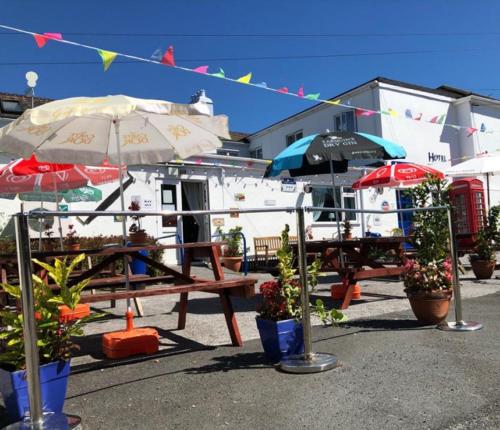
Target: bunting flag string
column 167, row 58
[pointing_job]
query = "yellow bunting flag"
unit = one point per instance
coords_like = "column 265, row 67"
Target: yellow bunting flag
column 245, row 79
column 335, row 102
column 107, row 58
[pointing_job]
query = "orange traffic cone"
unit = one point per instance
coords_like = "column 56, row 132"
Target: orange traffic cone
column 131, row 341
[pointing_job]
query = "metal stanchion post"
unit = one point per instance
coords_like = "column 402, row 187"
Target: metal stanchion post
column 309, row 362
column 459, row 324
column 37, row 419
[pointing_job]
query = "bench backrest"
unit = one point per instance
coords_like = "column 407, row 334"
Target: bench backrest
column 269, row 243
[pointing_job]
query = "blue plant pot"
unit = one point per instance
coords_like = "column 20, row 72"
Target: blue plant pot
column 53, row 381
column 281, row 339
column 139, row 267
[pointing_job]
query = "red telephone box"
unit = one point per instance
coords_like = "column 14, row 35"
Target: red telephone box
column 467, row 199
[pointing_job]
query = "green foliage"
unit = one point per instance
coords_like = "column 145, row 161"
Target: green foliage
column 233, row 247
column 54, row 335
column 488, row 237
column 429, row 234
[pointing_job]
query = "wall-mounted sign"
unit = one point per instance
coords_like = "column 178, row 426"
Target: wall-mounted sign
column 269, row 202
column 234, row 214
column 436, row 157
column 288, row 185
column 218, row 222
column 147, row 204
column 239, row 197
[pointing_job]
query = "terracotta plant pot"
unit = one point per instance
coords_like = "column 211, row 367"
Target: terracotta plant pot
column 483, row 269
column 138, row 237
column 232, row 263
column 430, row 307
column 74, row 247
column 338, row 291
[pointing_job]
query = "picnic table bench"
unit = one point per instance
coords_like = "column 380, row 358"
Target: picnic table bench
column 362, row 259
column 171, row 281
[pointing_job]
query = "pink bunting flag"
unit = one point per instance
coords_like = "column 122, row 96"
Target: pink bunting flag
column 41, row 39
column 198, row 161
column 434, row 119
column 201, row 69
column 471, row 131
column 283, row 90
column 168, row 57
column 300, row 91
column 363, row 112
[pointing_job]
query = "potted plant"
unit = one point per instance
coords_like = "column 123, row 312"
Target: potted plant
column 280, row 310
column 347, row 233
column 232, row 250
column 428, row 278
column 71, row 240
column 484, row 260
column 54, row 333
column 137, row 235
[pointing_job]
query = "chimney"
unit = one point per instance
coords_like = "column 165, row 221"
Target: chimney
column 201, row 97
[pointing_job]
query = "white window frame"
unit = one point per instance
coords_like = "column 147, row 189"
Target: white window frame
column 256, row 153
column 294, row 137
column 343, row 195
column 342, row 116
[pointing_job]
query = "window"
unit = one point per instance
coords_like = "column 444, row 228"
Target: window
column 345, row 121
column 294, row 137
column 168, row 203
column 11, row 106
column 256, row 153
column 231, row 152
column 322, row 196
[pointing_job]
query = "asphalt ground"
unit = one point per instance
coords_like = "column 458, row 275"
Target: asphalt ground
column 392, row 373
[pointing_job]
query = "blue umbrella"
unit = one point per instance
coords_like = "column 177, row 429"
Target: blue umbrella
column 331, row 152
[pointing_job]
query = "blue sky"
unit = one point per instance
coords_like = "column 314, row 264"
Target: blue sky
column 468, row 60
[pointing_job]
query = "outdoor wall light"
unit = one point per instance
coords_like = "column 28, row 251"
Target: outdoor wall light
column 308, row 188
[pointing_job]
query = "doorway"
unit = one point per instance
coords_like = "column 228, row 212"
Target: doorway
column 404, row 201
column 195, row 228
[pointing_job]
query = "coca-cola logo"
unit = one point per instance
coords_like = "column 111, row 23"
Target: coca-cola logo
column 381, row 172
column 407, row 170
column 14, row 179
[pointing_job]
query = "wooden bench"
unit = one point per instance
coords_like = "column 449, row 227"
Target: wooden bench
column 268, row 246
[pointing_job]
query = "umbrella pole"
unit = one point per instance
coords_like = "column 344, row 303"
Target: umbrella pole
column 122, row 203
column 40, row 222
column 58, row 218
column 337, row 214
column 488, row 189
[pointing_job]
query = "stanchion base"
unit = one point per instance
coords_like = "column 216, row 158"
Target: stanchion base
column 50, row 421
column 460, row 326
column 319, row 362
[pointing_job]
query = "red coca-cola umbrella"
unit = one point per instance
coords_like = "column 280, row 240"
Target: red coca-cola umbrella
column 24, row 176
column 398, row 175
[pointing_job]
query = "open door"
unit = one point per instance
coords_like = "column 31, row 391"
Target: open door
column 195, row 228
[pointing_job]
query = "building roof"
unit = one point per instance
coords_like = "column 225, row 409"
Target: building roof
column 443, row 90
column 25, row 102
column 238, row 136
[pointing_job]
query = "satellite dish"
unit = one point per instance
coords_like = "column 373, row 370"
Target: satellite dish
column 41, row 225
column 31, row 78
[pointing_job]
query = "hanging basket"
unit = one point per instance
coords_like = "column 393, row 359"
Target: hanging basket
column 138, row 237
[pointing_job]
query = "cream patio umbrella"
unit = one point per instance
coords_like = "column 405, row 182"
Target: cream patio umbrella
column 119, row 129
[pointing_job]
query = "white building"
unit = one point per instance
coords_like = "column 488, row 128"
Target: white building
column 425, row 142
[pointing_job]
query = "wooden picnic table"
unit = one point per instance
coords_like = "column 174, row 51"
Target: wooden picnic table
column 364, row 258
column 172, row 281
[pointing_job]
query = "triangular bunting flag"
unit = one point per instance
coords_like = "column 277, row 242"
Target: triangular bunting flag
column 333, row 102
column 54, row 36
column 408, row 114
column 283, row 90
column 107, row 58
column 441, row 119
column 40, row 40
column 363, row 112
column 392, row 112
column 434, row 119
column 300, row 91
column 168, row 57
column 418, row 117
column 201, row 69
column 471, row 131
column 157, row 55
column 483, row 128
column 262, row 85
column 245, row 79
column 314, row 96
column 219, row 74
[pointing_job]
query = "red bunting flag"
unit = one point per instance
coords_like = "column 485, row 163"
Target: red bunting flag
column 434, row 119
column 363, row 112
column 471, row 131
column 283, row 90
column 300, row 91
column 41, row 39
column 168, row 57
